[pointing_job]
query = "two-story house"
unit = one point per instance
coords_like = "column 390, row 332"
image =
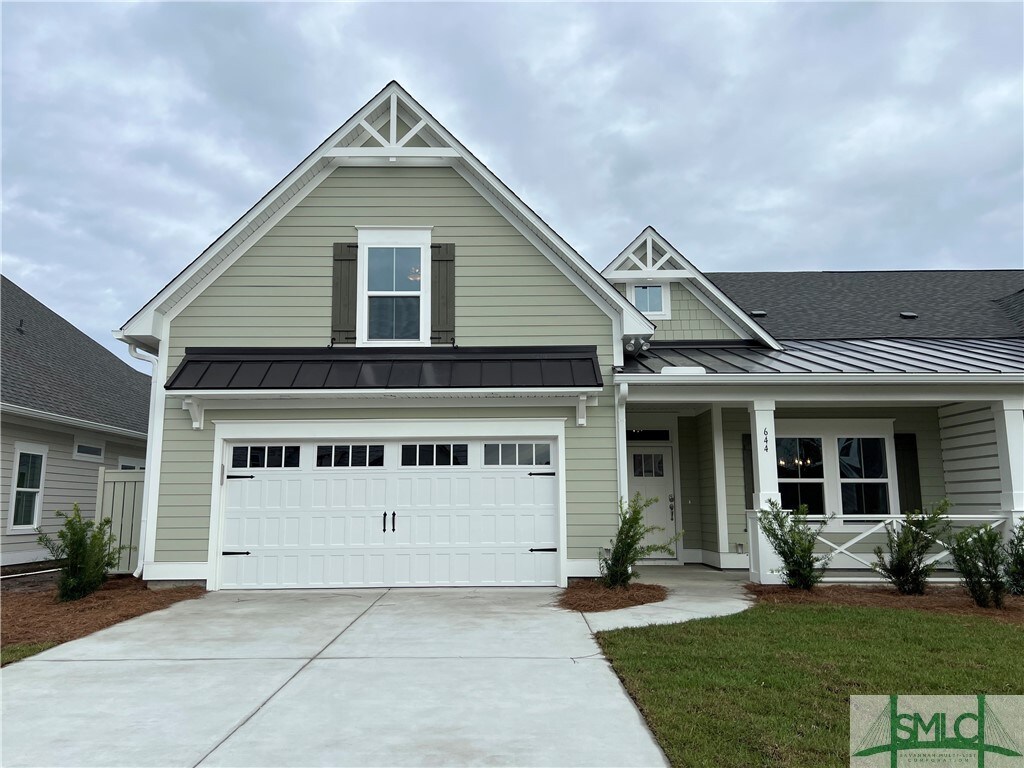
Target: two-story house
column 391, row 371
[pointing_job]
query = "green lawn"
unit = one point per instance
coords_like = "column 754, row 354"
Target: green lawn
column 771, row 686
column 20, row 651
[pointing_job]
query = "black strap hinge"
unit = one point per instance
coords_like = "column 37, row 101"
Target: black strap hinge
column 544, row 549
column 236, row 553
column 241, row 477
column 541, row 474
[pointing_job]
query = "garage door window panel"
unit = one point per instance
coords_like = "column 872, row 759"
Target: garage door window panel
column 348, row 455
column 435, row 455
column 265, row 457
column 517, row 454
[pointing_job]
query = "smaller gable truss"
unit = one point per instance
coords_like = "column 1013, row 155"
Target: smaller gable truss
column 391, row 129
column 652, row 258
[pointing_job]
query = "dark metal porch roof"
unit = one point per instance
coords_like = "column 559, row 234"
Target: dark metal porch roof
column 857, row 356
column 322, row 368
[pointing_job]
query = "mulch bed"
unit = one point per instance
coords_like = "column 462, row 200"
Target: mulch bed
column 28, row 616
column 952, row 600
column 591, row 596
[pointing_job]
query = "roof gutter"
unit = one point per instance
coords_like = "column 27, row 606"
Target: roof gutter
column 726, row 379
column 70, row 421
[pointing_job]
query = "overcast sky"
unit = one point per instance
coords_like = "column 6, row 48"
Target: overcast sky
column 754, row 137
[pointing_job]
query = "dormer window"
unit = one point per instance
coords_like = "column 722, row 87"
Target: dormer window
column 394, row 287
column 652, row 300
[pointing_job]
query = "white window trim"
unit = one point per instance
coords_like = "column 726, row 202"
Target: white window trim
column 139, row 464
column 89, row 442
column 830, row 430
column 666, row 299
column 392, row 237
column 20, row 448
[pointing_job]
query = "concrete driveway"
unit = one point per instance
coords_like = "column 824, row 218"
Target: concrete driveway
column 340, row 677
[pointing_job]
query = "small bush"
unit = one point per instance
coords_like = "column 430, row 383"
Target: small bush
column 1015, row 561
column 627, row 546
column 89, row 550
column 979, row 556
column 794, row 540
column 904, row 564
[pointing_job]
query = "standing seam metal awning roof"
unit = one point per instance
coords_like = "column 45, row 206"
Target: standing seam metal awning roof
column 883, row 356
column 387, row 368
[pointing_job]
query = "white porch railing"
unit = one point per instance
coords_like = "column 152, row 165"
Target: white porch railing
column 832, row 535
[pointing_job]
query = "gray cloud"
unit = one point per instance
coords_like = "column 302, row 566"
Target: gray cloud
column 800, row 136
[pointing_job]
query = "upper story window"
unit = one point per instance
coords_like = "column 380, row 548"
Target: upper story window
column 88, row 450
column 652, row 299
column 393, row 303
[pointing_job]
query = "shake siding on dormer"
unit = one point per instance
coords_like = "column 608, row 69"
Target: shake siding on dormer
column 279, row 293
column 691, row 318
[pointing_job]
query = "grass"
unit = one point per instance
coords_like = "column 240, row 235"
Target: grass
column 19, row 651
column 771, row 686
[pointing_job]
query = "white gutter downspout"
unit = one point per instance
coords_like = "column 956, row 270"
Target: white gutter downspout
column 621, row 396
column 133, row 350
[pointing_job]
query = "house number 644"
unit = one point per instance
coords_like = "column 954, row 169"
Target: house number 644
column 766, row 439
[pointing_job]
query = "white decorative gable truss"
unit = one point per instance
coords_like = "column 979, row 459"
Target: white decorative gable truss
column 391, row 129
column 650, row 258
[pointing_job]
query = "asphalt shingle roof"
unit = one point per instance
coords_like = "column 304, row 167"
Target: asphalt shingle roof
column 49, row 365
column 866, row 305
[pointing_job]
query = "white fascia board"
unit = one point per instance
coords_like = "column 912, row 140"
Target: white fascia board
column 634, row 276
column 389, row 152
column 720, row 379
column 389, row 395
column 69, row 421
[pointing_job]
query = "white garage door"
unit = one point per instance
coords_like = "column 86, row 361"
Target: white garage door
column 344, row 514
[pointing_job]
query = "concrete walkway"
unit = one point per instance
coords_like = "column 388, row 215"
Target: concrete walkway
column 346, row 677
column 694, row 592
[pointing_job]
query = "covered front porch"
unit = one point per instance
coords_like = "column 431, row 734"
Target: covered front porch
column 714, row 451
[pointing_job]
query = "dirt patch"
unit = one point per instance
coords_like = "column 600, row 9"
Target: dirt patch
column 950, row 600
column 35, row 616
column 592, row 596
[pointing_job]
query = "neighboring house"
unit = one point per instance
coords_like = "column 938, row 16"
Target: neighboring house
column 67, row 407
column 391, row 371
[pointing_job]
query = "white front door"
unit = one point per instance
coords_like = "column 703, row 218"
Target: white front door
column 650, row 474
column 461, row 513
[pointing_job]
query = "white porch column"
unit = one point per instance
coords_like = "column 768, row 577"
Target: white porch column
column 763, row 559
column 1009, row 420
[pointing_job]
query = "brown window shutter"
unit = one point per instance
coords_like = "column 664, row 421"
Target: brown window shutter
column 343, row 293
column 442, row 293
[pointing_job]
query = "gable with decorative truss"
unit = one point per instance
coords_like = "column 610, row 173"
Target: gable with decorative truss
column 674, row 294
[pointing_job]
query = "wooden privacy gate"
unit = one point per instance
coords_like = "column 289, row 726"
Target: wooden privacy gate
column 119, row 497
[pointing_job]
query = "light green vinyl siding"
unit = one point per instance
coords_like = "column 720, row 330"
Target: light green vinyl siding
column 279, row 294
column 183, row 524
column 689, row 483
column 922, row 422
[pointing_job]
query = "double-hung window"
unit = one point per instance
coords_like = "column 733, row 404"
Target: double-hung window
column 846, row 468
column 27, row 488
column 394, row 286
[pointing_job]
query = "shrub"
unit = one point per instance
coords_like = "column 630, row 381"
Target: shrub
column 904, row 565
column 793, row 541
column 627, row 547
column 979, row 556
column 1015, row 561
column 89, row 550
